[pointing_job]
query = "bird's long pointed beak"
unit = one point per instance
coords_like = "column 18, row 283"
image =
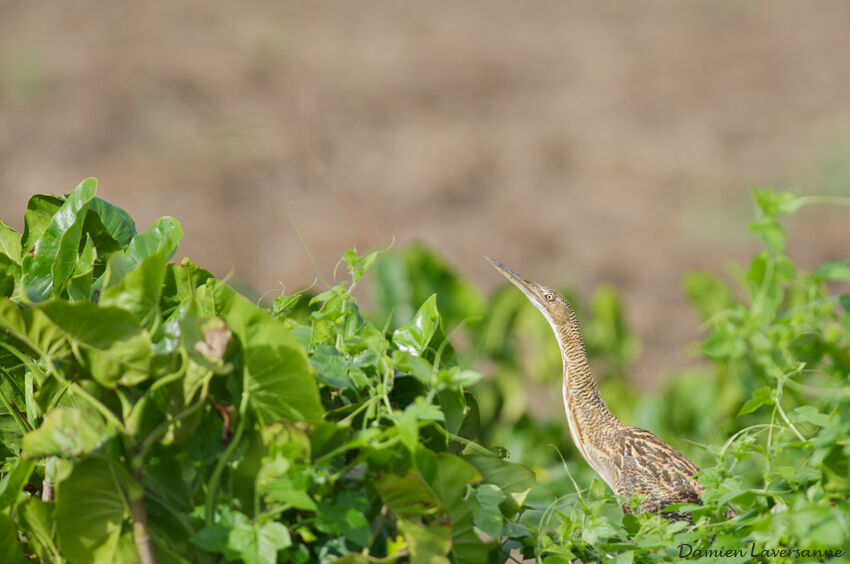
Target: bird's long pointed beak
column 532, row 290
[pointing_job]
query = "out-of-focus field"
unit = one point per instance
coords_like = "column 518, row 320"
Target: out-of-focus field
column 578, row 143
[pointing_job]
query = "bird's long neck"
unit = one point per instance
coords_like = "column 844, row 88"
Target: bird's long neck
column 587, row 414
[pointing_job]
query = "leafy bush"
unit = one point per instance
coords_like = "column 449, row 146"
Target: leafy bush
column 177, row 421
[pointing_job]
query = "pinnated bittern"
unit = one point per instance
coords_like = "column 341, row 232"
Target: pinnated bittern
column 632, row 461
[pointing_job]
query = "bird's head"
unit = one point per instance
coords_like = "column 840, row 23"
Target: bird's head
column 550, row 303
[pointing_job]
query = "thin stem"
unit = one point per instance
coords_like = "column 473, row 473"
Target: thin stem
column 345, row 421
column 212, row 486
column 144, row 542
column 47, row 482
column 782, row 414
column 824, row 200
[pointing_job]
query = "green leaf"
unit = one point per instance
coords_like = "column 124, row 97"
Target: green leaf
column 407, row 495
column 810, row 414
column 760, row 397
column 116, row 222
column 749, row 406
column 772, row 234
column 37, row 518
column 32, row 327
column 280, row 381
column 415, row 336
column 91, row 508
column 10, row 242
column 12, row 484
column 53, row 257
column 65, row 432
column 427, row 544
column 10, row 275
column 40, row 211
column 408, row 422
column 80, row 284
column 258, row 544
column 357, row 265
column 513, row 479
column 108, row 341
column 416, row 366
column 838, row 270
column 10, row 548
column 331, row 367
column 346, row 517
column 772, row 204
column 212, row 538
column 486, row 514
column 164, row 235
column 138, row 292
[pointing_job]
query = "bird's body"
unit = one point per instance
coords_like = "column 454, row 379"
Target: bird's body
column 632, row 461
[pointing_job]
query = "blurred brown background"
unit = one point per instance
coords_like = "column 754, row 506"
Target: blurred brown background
column 578, row 142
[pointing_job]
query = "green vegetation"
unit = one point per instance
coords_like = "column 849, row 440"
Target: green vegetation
column 151, row 413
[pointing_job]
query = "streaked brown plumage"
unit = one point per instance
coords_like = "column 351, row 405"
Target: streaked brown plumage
column 632, row 461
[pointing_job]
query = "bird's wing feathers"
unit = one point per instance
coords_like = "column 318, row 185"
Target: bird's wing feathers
column 650, row 468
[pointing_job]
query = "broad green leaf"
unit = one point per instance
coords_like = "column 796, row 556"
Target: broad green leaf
column 164, row 235
column 407, row 423
column 453, row 405
column 79, row 286
column 416, row 366
column 810, row 414
column 213, row 538
column 486, row 514
column 838, row 270
column 258, row 544
column 10, row 242
column 346, row 517
column 90, row 511
column 66, row 432
column 116, row 222
column 12, row 484
column 331, row 366
column 10, row 275
column 415, row 336
column 406, row 495
column 108, row 341
column 138, row 292
column 40, row 211
column 427, row 544
column 181, row 282
column 53, row 257
column 10, row 548
column 37, row 518
column 280, row 380
column 749, row 406
column 32, row 327
column 513, row 479
column 275, row 484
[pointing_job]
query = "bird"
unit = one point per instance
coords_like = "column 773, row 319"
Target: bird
column 632, row 461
